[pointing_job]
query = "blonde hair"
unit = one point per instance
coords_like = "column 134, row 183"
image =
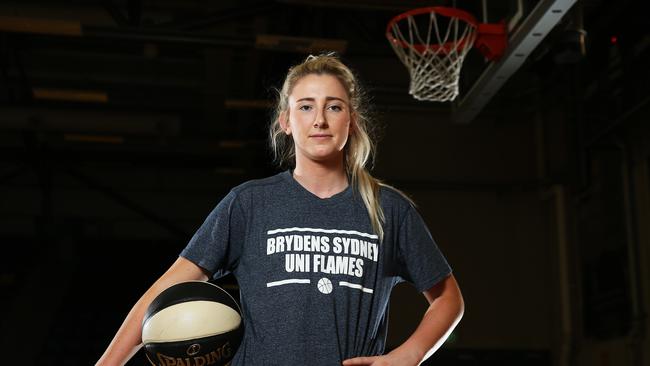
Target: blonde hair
column 360, row 147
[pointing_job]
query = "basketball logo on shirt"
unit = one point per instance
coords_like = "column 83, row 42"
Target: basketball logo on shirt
column 325, row 285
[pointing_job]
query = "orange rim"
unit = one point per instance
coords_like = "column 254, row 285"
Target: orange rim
column 444, row 11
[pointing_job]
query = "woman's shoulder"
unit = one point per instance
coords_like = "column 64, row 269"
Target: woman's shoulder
column 391, row 196
column 260, row 184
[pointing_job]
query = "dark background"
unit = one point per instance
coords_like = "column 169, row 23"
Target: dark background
column 122, row 123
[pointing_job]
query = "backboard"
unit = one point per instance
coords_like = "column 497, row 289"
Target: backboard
column 529, row 22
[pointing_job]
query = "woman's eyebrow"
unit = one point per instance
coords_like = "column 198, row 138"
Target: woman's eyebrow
column 310, row 99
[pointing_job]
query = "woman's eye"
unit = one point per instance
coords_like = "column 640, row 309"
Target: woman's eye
column 304, row 107
column 336, row 108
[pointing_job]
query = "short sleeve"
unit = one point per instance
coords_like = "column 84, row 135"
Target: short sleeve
column 216, row 245
column 421, row 261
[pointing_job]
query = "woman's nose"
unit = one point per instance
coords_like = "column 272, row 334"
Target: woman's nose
column 320, row 121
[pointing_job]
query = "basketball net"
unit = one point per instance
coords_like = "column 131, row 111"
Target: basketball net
column 432, row 43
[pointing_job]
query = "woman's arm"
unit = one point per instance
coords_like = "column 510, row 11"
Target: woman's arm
column 445, row 310
column 128, row 339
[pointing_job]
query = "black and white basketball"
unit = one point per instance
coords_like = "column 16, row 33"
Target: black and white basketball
column 192, row 323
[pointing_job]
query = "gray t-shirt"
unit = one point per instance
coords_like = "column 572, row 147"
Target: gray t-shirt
column 315, row 281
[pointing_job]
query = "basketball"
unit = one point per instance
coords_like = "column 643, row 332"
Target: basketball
column 192, row 323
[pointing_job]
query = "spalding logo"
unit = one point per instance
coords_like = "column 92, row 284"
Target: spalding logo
column 193, row 349
column 222, row 353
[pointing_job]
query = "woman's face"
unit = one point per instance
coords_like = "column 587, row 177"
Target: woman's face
column 319, row 118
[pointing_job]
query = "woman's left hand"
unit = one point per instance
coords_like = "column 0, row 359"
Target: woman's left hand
column 391, row 359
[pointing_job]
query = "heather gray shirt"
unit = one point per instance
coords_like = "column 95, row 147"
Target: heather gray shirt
column 315, row 281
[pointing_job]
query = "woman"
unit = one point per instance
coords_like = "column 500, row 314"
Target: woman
column 316, row 249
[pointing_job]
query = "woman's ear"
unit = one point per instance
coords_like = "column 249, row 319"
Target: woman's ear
column 283, row 119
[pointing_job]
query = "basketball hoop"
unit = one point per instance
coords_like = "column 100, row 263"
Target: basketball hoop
column 432, row 43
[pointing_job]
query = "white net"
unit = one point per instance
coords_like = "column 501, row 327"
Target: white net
column 432, row 46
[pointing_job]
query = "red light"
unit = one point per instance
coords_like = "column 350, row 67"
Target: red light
column 613, row 39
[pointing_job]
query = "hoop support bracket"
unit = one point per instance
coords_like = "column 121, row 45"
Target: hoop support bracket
column 492, row 39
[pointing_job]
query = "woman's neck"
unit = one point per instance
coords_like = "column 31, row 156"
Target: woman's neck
column 323, row 179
